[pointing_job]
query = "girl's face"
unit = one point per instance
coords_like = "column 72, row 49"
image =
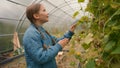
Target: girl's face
column 42, row 15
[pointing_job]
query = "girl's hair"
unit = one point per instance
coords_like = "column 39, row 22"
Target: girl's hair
column 32, row 9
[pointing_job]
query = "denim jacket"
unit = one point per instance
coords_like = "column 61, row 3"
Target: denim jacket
column 36, row 56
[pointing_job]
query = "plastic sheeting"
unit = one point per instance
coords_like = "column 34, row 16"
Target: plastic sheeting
column 12, row 16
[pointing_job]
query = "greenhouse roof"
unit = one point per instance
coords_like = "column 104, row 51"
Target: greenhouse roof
column 60, row 11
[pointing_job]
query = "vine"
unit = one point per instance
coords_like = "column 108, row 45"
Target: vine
column 99, row 36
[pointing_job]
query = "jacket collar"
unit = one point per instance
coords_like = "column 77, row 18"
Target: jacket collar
column 38, row 27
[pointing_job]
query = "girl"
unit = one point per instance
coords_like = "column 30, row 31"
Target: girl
column 41, row 47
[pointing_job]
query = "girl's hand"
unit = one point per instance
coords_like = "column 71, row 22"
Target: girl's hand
column 64, row 42
column 73, row 27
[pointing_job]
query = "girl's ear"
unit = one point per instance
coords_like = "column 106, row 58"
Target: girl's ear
column 36, row 16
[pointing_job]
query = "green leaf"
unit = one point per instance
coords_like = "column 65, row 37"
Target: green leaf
column 116, row 27
column 115, row 5
column 78, row 23
column 106, row 3
column 72, row 64
column 75, row 14
column 105, row 39
column 117, row 12
column 116, row 51
column 85, row 46
column 111, row 23
column 105, row 55
column 95, row 3
column 84, row 19
column 80, row 1
column 109, row 46
column 90, row 64
column 89, row 8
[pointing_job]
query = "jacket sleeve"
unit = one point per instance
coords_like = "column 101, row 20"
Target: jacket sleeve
column 34, row 49
column 68, row 35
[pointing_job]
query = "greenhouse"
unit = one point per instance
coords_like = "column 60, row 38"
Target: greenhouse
column 75, row 34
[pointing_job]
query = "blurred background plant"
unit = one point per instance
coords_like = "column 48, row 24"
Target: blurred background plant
column 98, row 44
